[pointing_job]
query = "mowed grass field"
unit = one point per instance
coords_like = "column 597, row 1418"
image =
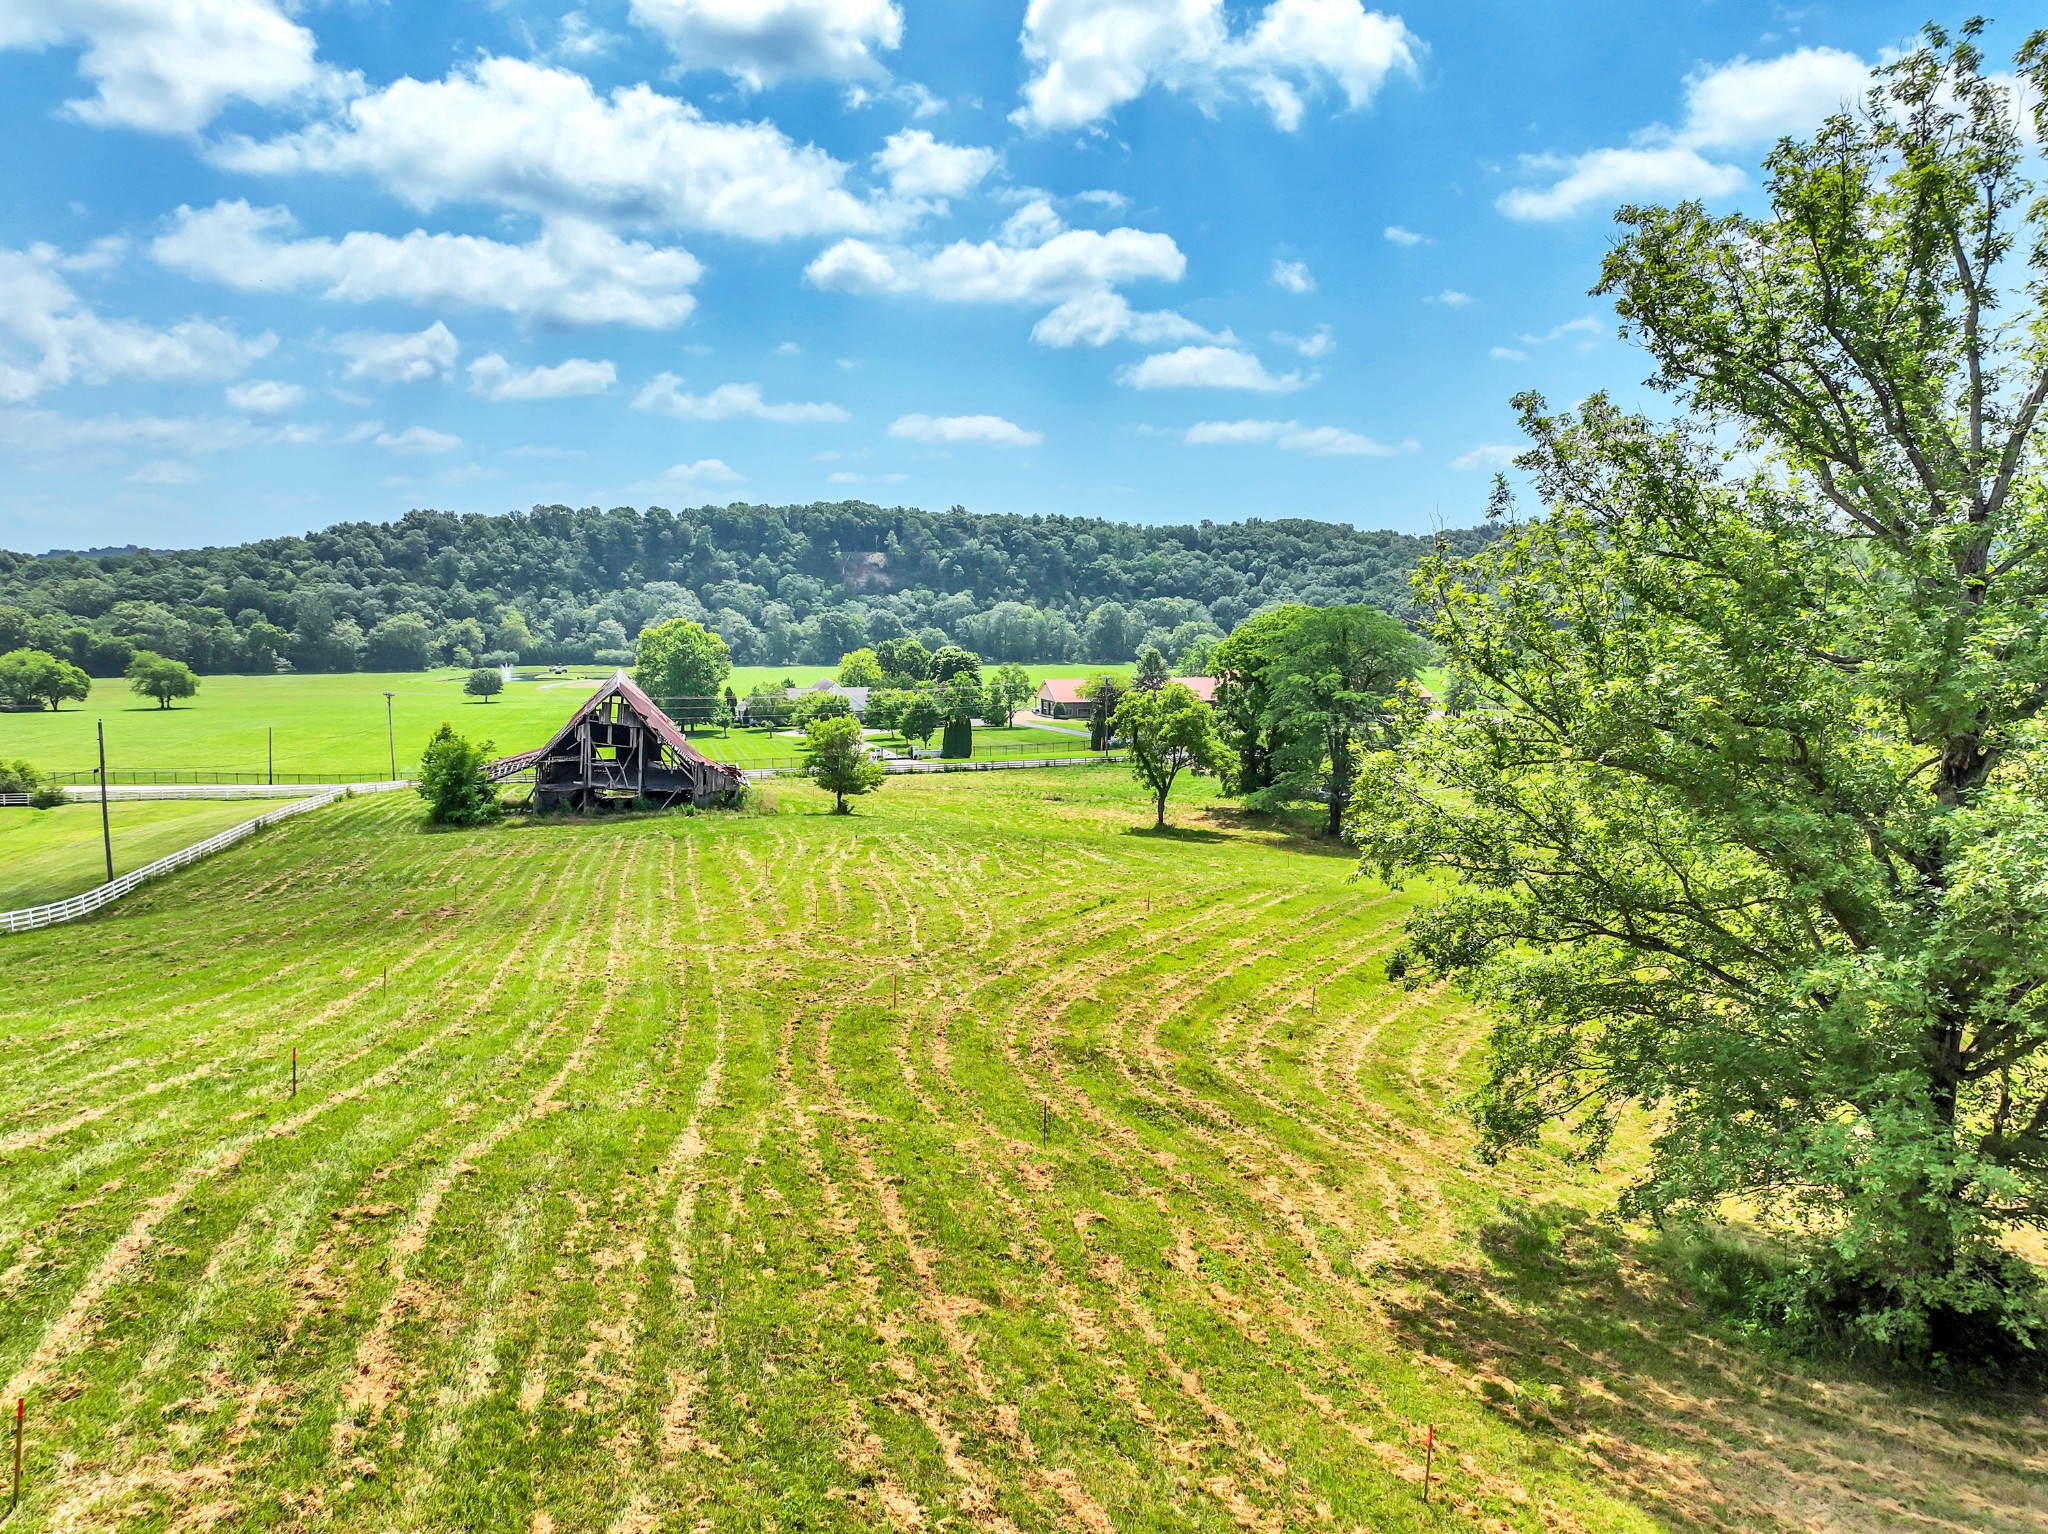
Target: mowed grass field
column 334, row 726
column 979, row 1161
column 49, row 854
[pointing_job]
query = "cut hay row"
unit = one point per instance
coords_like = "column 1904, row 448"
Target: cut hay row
column 966, row 1162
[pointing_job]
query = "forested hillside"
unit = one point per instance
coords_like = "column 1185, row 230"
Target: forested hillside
column 781, row 584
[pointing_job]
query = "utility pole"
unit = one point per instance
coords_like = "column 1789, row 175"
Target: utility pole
column 391, row 736
column 106, row 824
column 270, row 754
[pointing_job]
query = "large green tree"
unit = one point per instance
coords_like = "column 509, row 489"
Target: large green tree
column 860, row 668
column 1166, row 730
column 683, row 666
column 1252, row 731
column 839, row 761
column 922, row 713
column 158, row 676
column 959, row 701
column 1331, row 677
column 35, row 678
column 1744, row 793
column 1103, row 692
column 1009, row 688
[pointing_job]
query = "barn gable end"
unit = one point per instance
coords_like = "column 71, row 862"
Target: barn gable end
column 618, row 748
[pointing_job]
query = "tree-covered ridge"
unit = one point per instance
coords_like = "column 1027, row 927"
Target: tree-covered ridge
column 779, row 584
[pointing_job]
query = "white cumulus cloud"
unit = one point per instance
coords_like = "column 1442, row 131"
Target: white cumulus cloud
column 992, row 429
column 572, row 273
column 1035, row 259
column 1741, row 105
column 170, row 66
column 1293, row 276
column 919, row 165
column 393, row 357
column 264, row 396
column 1091, row 56
column 705, row 471
column 727, row 402
column 522, row 135
column 496, row 379
column 418, row 439
column 1320, row 344
column 1404, row 237
column 1098, row 318
column 50, row 337
column 761, row 41
column 1208, row 367
column 1292, row 437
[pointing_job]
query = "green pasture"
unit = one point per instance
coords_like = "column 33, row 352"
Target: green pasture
column 755, row 748
column 981, row 1160
column 49, row 854
column 329, row 725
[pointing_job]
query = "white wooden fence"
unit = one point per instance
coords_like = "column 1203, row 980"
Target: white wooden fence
column 84, row 905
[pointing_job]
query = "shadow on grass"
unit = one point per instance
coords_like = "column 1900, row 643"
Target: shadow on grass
column 1290, row 832
column 1174, row 833
column 1578, row 1331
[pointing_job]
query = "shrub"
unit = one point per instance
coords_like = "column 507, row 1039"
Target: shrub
column 47, row 797
column 453, row 781
column 18, row 777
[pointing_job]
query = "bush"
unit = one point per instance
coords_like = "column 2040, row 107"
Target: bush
column 453, row 781
column 958, row 741
column 47, row 797
column 18, row 777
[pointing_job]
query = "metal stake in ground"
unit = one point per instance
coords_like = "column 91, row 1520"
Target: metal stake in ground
column 106, row 825
column 1428, row 1458
column 295, row 1070
column 20, row 1412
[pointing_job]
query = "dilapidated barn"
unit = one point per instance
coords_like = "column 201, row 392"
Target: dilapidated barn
column 618, row 749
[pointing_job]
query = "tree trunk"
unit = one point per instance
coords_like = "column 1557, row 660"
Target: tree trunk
column 1340, row 780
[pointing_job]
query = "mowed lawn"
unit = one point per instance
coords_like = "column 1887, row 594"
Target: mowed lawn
column 49, row 854
column 322, row 727
column 981, row 1160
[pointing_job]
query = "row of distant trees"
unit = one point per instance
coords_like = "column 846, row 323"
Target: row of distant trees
column 781, row 585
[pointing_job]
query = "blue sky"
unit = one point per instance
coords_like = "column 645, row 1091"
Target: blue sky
column 267, row 266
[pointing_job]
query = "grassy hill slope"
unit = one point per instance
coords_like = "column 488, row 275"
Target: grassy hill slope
column 972, row 1162
column 49, row 854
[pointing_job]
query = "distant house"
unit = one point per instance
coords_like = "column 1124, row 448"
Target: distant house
column 856, row 697
column 1060, row 697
